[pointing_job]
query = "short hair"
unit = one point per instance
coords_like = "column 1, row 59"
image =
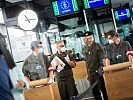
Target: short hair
column 112, row 33
column 59, row 42
column 35, row 44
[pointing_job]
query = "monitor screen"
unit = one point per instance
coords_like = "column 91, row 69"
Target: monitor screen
column 62, row 7
column 122, row 14
column 94, row 3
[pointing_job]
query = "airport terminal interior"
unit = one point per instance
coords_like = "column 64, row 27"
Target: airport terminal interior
column 49, row 21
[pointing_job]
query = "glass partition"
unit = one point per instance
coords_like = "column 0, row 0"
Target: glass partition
column 71, row 33
column 20, row 42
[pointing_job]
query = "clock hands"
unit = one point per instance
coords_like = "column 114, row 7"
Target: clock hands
column 27, row 18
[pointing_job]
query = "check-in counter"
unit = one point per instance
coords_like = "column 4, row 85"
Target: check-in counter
column 119, row 81
column 51, row 92
column 80, row 71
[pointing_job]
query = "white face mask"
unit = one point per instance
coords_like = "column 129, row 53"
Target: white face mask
column 111, row 41
column 40, row 50
column 63, row 49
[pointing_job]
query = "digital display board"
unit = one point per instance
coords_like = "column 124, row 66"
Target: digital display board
column 122, row 14
column 94, row 3
column 62, row 7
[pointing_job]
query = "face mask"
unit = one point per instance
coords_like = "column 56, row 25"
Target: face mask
column 63, row 49
column 40, row 50
column 110, row 41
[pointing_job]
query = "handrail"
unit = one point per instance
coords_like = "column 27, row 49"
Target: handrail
column 117, row 66
column 38, row 82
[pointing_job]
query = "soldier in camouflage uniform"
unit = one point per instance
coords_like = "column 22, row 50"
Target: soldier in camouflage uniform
column 94, row 55
column 65, row 80
column 36, row 64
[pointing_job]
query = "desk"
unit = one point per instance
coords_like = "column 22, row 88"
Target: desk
column 80, row 71
column 51, row 92
column 119, row 81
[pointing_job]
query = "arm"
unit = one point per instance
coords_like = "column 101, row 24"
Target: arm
column 27, row 79
column 22, row 83
column 84, row 52
column 107, row 56
column 107, row 62
column 51, row 72
column 46, row 61
column 70, row 60
column 72, row 64
column 102, row 55
column 130, row 57
column 25, row 71
column 130, row 53
column 104, row 62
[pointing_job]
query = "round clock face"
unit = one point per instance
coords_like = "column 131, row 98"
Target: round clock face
column 27, row 19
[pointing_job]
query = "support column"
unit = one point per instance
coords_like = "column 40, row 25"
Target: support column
column 86, row 22
column 114, row 20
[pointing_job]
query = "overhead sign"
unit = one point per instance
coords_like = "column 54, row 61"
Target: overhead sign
column 122, row 14
column 94, row 3
column 62, row 7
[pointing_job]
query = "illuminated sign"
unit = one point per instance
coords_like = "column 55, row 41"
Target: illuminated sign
column 62, row 7
column 122, row 14
column 94, row 3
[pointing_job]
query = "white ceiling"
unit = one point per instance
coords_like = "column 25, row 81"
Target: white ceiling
column 119, row 1
column 113, row 1
column 70, row 22
column 12, row 1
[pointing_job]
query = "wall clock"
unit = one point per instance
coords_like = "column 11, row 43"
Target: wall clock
column 27, row 19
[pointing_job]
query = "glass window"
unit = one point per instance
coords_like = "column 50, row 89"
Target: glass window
column 20, row 42
column 1, row 17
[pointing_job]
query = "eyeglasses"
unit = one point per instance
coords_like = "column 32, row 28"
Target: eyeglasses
column 61, row 46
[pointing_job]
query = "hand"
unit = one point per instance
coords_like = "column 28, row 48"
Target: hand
column 52, row 68
column 132, row 66
column 72, row 64
column 20, row 84
column 67, row 58
column 51, row 81
column 87, row 77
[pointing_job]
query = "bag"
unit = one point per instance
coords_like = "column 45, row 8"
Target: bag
column 34, row 76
